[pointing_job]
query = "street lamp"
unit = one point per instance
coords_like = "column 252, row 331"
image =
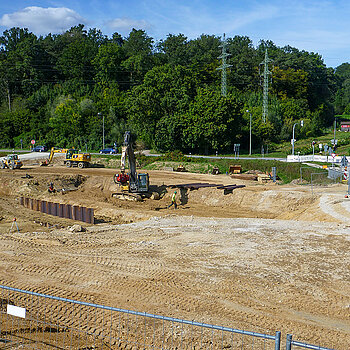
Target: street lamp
column 250, row 132
column 335, row 127
column 103, row 129
column 293, row 139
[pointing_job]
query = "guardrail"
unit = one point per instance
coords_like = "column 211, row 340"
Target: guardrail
column 316, row 158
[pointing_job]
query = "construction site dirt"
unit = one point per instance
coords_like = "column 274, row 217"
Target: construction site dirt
column 264, row 257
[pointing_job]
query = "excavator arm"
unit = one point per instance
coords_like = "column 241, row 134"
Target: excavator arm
column 52, row 153
column 137, row 182
column 127, row 151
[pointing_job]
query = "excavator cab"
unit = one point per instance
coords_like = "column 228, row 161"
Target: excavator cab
column 143, row 182
column 12, row 157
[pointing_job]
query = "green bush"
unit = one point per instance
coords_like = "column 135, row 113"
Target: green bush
column 175, row 156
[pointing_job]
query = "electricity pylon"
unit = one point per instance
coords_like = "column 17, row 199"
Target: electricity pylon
column 266, row 74
column 224, row 66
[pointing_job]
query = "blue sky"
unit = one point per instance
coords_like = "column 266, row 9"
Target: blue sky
column 316, row 26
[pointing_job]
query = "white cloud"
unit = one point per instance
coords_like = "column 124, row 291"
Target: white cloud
column 42, row 20
column 198, row 17
column 248, row 18
column 126, row 24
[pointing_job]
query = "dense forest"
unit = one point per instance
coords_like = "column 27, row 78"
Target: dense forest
column 59, row 89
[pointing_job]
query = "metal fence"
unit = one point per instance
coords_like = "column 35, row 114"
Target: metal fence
column 321, row 178
column 293, row 344
column 30, row 320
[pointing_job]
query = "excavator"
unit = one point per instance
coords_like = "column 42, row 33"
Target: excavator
column 73, row 157
column 133, row 186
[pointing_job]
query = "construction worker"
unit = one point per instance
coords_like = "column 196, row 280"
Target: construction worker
column 173, row 201
column 51, row 188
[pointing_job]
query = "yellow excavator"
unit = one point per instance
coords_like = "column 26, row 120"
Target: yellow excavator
column 73, row 157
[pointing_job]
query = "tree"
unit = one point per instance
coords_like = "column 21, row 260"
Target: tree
column 108, row 64
column 203, row 57
column 138, row 48
column 165, row 91
column 117, row 39
column 75, row 62
column 289, row 83
column 175, row 49
column 95, row 35
column 12, row 37
column 169, row 133
column 213, row 122
column 20, row 55
column 210, row 123
column 244, row 73
column 67, row 121
column 342, row 95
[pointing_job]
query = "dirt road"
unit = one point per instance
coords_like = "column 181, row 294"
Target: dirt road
column 263, row 258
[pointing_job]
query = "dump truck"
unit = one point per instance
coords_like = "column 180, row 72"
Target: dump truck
column 11, row 162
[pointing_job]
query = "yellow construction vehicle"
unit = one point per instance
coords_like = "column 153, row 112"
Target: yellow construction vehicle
column 11, row 162
column 73, row 157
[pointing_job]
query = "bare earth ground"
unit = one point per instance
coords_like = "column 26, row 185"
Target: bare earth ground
column 264, row 258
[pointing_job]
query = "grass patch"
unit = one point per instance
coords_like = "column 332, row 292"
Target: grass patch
column 192, row 167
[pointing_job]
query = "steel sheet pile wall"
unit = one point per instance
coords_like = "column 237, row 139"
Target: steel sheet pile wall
column 67, row 211
column 47, row 322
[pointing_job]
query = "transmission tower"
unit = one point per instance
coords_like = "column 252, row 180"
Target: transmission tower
column 223, row 67
column 266, row 74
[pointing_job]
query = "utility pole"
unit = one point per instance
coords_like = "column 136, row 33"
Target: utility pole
column 223, row 67
column 335, row 127
column 250, row 132
column 103, row 129
column 266, row 74
column 293, row 139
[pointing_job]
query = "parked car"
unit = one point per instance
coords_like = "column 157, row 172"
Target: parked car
column 109, row 150
column 39, row 149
